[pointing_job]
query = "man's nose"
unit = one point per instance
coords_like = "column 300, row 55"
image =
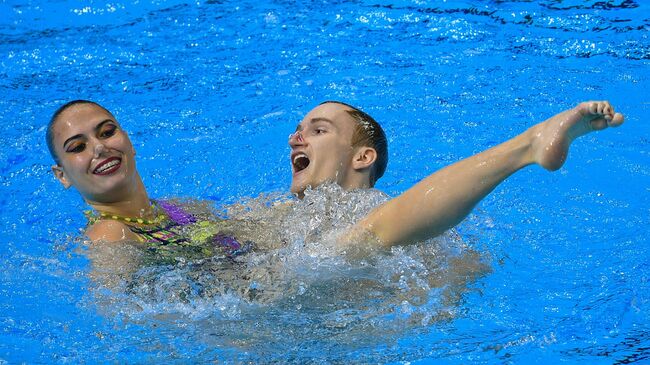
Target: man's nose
column 296, row 138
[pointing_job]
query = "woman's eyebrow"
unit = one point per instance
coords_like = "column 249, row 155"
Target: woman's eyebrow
column 97, row 128
column 101, row 124
column 71, row 139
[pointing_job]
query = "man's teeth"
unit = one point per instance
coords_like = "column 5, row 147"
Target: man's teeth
column 107, row 166
column 296, row 157
column 300, row 162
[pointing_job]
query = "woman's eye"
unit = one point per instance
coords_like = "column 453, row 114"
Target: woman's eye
column 108, row 132
column 77, row 148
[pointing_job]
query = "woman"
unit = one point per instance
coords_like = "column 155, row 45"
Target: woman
column 94, row 154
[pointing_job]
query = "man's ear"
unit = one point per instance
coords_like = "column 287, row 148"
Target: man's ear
column 364, row 158
column 61, row 176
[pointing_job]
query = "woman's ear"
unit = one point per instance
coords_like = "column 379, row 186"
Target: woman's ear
column 364, row 158
column 61, row 176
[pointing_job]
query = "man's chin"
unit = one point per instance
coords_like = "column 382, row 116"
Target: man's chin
column 298, row 190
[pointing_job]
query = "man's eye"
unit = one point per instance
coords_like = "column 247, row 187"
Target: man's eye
column 77, row 148
column 319, row 131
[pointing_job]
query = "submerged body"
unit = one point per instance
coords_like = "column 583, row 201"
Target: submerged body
column 298, row 262
column 174, row 229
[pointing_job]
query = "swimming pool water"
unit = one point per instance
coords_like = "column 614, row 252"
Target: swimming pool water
column 209, row 90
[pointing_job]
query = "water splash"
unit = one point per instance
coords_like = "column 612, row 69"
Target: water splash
column 301, row 283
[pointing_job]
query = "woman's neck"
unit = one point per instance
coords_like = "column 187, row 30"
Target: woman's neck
column 131, row 203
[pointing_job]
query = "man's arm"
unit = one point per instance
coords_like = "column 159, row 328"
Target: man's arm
column 445, row 198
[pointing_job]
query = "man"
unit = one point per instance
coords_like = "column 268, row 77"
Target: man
column 337, row 142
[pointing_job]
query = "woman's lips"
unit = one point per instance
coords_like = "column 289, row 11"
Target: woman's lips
column 108, row 166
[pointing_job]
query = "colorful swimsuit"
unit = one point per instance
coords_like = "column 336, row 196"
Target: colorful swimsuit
column 178, row 233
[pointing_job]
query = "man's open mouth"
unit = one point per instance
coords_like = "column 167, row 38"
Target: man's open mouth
column 300, row 162
column 108, row 166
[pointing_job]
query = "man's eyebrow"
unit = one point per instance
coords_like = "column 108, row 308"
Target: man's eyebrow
column 321, row 119
column 299, row 127
column 97, row 128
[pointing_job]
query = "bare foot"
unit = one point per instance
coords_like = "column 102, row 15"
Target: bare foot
column 553, row 137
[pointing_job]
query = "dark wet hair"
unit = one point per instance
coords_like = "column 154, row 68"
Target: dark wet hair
column 368, row 133
column 49, row 137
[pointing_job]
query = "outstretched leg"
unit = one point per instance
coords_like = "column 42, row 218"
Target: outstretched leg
column 444, row 198
column 552, row 137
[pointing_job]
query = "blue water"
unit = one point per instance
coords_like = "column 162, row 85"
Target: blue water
column 209, row 90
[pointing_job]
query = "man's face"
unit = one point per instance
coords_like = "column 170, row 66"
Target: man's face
column 321, row 148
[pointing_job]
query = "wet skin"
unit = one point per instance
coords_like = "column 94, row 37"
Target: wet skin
column 445, row 198
column 97, row 158
column 321, row 150
column 95, row 154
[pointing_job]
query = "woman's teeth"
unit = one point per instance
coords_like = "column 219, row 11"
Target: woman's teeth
column 106, row 166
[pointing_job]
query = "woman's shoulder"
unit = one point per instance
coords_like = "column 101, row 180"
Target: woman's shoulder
column 110, row 230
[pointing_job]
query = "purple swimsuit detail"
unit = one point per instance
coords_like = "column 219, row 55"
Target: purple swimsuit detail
column 168, row 236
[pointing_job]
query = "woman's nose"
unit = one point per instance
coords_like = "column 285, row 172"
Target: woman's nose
column 99, row 148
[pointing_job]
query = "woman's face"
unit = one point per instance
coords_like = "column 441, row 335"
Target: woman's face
column 95, row 154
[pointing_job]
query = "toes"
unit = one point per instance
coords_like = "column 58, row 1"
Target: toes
column 607, row 108
column 602, row 114
column 609, row 111
column 613, row 119
column 603, row 108
column 616, row 120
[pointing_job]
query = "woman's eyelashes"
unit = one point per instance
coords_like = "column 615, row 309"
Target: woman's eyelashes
column 106, row 132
